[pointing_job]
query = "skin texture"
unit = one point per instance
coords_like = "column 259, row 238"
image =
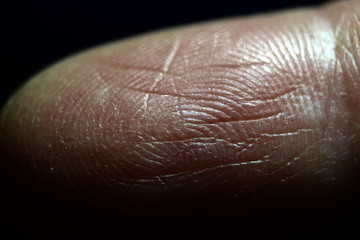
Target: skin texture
column 232, row 115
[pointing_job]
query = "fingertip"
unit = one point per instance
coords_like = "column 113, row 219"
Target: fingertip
column 215, row 111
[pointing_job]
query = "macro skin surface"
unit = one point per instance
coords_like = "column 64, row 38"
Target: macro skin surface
column 224, row 109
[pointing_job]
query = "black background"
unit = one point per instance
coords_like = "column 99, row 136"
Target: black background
column 35, row 34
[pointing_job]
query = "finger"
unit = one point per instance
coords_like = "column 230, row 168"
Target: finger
column 235, row 109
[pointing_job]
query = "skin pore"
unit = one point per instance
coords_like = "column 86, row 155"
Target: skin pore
column 237, row 115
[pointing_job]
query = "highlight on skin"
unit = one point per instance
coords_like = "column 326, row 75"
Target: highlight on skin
column 231, row 109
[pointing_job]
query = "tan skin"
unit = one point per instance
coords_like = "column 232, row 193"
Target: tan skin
column 237, row 115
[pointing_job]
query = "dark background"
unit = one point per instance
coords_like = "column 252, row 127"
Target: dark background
column 35, row 34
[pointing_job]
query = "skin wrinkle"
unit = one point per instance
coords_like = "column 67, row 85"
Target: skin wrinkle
column 148, row 110
column 286, row 133
column 160, row 76
column 136, row 69
column 198, row 172
column 296, row 158
column 243, row 163
column 280, row 51
column 253, row 119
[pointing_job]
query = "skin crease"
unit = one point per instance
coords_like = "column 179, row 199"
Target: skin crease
column 242, row 112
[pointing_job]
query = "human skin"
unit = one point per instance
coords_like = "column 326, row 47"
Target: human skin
column 249, row 110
